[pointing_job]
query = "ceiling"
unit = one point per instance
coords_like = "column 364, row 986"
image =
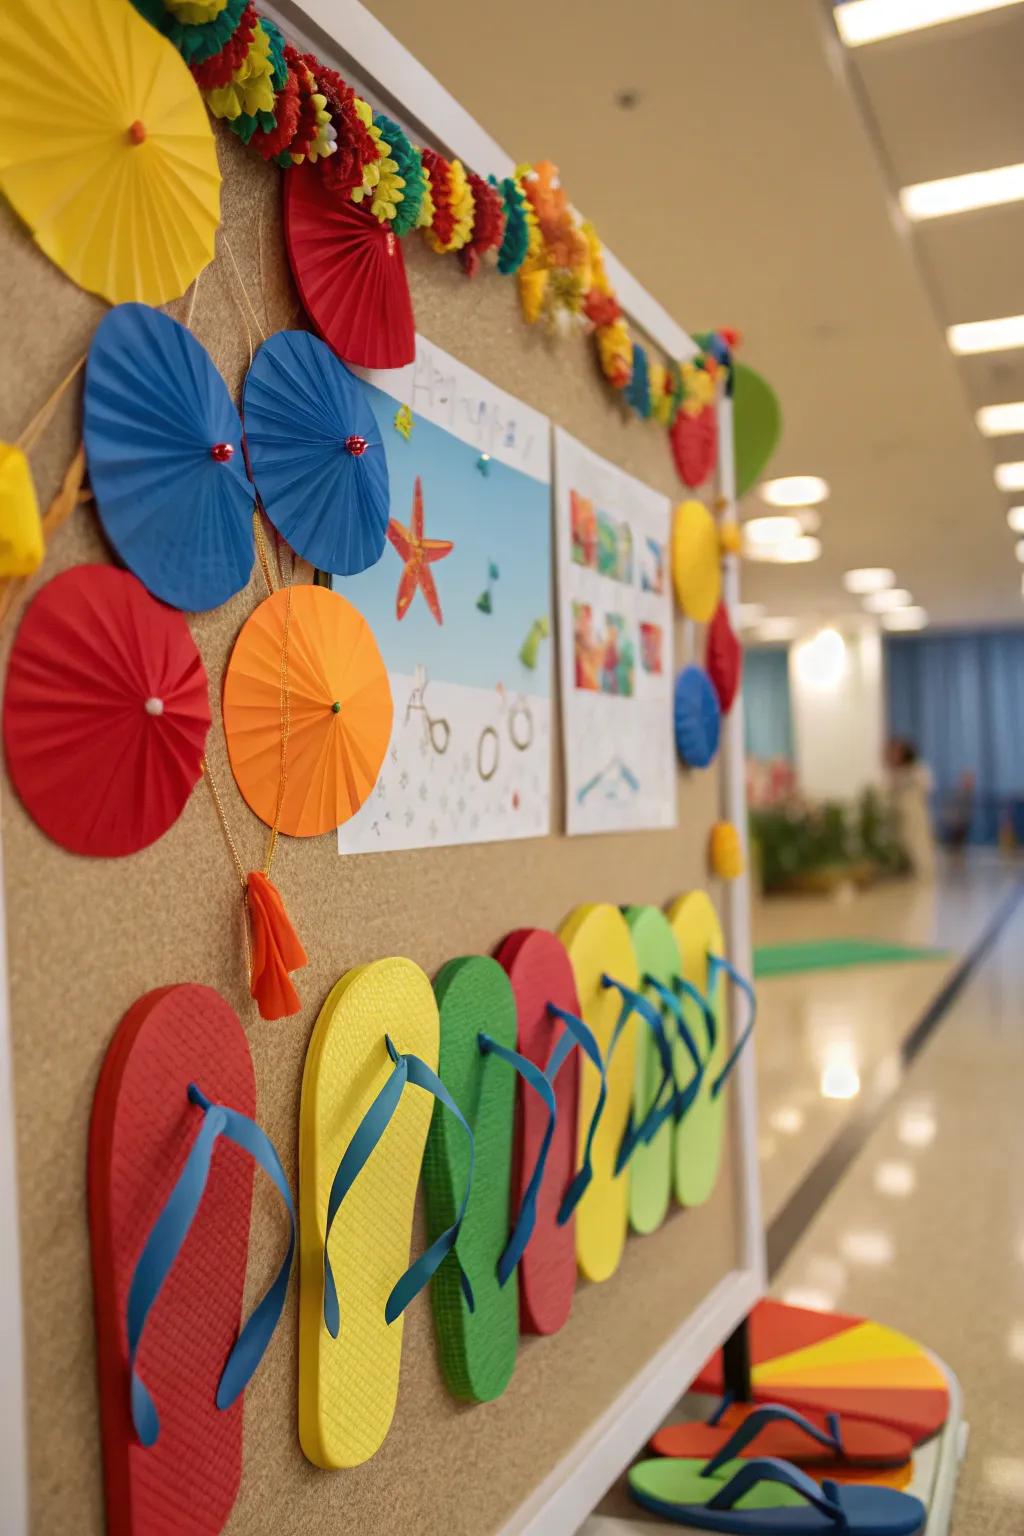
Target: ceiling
column 752, row 184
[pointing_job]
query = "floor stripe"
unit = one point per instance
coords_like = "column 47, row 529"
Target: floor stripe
column 822, row 1177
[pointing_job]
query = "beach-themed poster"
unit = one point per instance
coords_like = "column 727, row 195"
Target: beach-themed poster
column 615, row 644
column 459, row 605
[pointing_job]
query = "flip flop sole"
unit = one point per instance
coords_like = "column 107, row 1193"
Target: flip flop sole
column 865, row 1446
column 650, row 1167
column 698, row 1138
column 541, row 973
column 140, row 1134
column 478, row 1348
column 348, row 1386
column 596, row 937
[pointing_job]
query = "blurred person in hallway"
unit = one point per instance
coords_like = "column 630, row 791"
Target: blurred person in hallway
column 910, row 788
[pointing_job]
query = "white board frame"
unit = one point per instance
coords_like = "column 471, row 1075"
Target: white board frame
column 344, row 33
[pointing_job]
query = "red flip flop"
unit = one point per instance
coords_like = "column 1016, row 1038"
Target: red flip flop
column 170, row 1185
column 822, row 1442
column 541, row 973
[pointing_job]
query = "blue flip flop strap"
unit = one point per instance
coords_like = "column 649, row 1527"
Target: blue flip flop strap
column 578, row 1034
column 527, row 1217
column 166, row 1239
column 721, row 1408
column 683, row 1098
column 769, row 1469
column 684, row 988
column 716, row 964
column 430, row 1260
column 364, row 1139
column 759, row 1420
column 641, row 1133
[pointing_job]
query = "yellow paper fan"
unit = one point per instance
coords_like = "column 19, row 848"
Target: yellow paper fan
column 21, row 532
column 121, row 188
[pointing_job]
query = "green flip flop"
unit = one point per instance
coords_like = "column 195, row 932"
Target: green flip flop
column 650, row 1166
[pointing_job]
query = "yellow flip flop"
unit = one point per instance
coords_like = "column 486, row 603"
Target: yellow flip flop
column 698, row 1138
column 597, row 939
column 362, row 1132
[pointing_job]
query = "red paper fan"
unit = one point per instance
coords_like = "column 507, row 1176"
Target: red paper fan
column 350, row 273
column 106, row 712
column 695, row 445
column 724, row 658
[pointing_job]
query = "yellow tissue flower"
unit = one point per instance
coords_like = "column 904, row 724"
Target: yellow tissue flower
column 729, row 538
column 661, row 402
column 195, row 13
column 325, row 138
column 698, row 389
column 615, row 351
column 251, row 88
column 372, row 168
column 532, row 282
column 725, row 851
column 425, row 216
column 388, row 191
column 462, row 207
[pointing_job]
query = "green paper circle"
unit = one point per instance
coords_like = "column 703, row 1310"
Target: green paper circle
column 757, row 418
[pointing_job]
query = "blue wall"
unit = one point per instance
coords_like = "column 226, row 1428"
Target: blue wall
column 766, row 705
column 959, row 698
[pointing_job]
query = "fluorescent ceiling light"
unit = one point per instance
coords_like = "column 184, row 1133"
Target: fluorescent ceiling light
column 1015, row 518
column 887, row 601
column 747, row 614
column 905, row 618
column 960, row 194
column 1000, row 420
column 795, row 491
column 986, row 335
column 1018, row 550
column 821, row 661
column 764, row 532
column 868, row 578
column 1010, row 477
column 776, row 629
column 868, row 21
column 799, row 551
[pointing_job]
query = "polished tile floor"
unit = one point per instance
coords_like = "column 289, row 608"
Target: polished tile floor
column 925, row 1230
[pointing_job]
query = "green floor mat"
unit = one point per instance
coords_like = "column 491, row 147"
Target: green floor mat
column 834, row 954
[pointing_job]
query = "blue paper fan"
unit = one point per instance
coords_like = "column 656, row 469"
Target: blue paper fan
column 316, row 454
column 164, row 447
column 698, row 717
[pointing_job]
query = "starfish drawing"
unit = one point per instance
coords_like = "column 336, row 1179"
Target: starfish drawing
column 419, row 554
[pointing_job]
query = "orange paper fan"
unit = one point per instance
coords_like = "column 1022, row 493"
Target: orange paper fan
column 350, row 273
column 326, row 695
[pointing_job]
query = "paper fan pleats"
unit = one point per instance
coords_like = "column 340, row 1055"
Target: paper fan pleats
column 21, row 530
column 316, row 453
column 105, row 714
column 325, row 694
column 350, row 273
column 164, row 447
column 116, row 174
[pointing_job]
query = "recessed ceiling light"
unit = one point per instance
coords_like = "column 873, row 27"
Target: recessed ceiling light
column 986, row 335
column 888, row 600
column 1015, row 518
column 868, row 578
column 799, row 551
column 794, row 491
column 763, row 532
column 1010, row 477
column 821, row 661
column 1000, row 420
column 905, row 618
column 959, row 194
column 776, row 629
column 747, row 614
column 868, row 21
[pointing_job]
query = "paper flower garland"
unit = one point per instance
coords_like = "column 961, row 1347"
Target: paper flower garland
column 339, row 710
column 105, row 712
column 316, row 453
column 488, row 224
column 164, row 446
column 121, row 187
column 350, row 273
column 698, row 718
column 21, row 530
column 410, row 169
column 516, row 239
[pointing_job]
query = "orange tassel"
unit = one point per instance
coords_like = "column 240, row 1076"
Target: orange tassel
column 276, row 950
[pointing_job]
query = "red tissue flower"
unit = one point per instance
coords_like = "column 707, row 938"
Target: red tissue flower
column 441, row 191
column 488, row 223
column 218, row 69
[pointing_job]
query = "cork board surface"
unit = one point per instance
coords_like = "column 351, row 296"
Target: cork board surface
column 87, row 937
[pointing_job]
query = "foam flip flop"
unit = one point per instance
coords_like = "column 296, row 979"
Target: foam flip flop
column 596, row 937
column 480, row 1066
column 698, row 1143
column 650, row 1171
column 172, row 1145
column 547, row 1010
column 822, row 1443
column 361, row 1141
column 768, row 1497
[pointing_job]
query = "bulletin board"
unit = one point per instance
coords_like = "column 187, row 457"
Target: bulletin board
column 86, row 937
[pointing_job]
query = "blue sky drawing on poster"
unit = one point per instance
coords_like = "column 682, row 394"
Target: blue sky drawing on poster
column 497, row 521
